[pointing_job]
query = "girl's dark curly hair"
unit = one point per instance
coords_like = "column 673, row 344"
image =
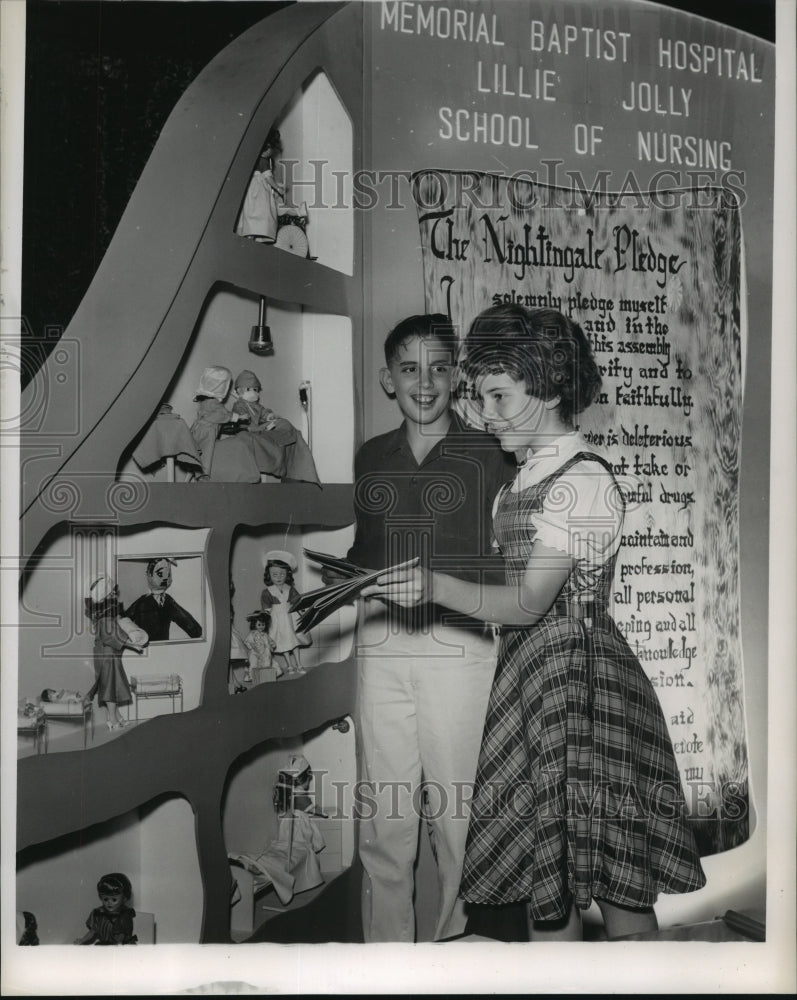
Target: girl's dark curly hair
column 542, row 347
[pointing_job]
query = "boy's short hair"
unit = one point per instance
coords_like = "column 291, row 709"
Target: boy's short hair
column 427, row 326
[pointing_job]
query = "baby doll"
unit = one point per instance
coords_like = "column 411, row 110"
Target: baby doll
column 211, row 414
column 112, row 922
column 51, row 695
column 260, row 644
column 258, row 218
column 110, row 639
column 278, row 595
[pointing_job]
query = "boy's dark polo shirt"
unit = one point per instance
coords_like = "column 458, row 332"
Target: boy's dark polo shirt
column 440, row 510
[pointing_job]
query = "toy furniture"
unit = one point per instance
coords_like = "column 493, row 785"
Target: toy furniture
column 167, row 439
column 31, row 721
column 144, row 927
column 157, row 686
column 81, row 712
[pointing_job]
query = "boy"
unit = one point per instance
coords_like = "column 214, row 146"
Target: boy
column 424, row 489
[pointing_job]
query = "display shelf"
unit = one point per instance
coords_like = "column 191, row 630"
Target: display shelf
column 175, row 242
column 205, row 504
column 175, row 245
column 56, row 879
column 278, row 274
column 149, row 759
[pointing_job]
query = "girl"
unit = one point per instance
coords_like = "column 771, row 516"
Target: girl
column 110, row 639
column 578, row 795
column 112, row 922
column 278, row 595
column 260, row 646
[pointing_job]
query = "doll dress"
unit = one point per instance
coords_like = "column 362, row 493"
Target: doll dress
column 111, row 684
column 281, row 451
column 268, row 446
column 117, row 928
column 577, row 793
column 282, row 629
column 258, row 644
column 259, row 213
column 226, row 459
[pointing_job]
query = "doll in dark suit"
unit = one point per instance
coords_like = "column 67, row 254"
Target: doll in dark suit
column 155, row 611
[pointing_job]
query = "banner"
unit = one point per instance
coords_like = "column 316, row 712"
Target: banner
column 654, row 280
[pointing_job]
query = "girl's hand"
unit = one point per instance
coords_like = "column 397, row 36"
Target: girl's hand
column 407, row 585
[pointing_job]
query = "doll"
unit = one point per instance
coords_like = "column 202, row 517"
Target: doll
column 110, row 639
column 156, row 610
column 247, row 403
column 260, row 646
column 111, row 922
column 280, row 450
column 277, row 596
column 52, row 695
column 27, row 928
column 258, row 218
column 211, row 414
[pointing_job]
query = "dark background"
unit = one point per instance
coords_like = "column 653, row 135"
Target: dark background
column 101, row 78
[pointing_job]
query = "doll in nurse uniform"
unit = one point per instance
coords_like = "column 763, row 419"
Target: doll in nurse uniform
column 212, row 414
column 270, row 434
column 264, row 195
column 277, row 597
column 111, row 686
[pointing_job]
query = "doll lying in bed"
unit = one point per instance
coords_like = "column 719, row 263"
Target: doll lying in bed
column 61, row 696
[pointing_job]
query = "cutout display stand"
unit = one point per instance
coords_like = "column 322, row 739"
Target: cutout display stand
column 163, row 272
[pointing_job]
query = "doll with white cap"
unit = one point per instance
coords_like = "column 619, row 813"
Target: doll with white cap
column 277, row 597
column 212, row 414
column 105, row 613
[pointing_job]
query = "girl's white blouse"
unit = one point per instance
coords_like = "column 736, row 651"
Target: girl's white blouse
column 582, row 514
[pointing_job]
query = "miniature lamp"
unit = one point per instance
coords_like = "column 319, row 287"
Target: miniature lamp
column 260, row 342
